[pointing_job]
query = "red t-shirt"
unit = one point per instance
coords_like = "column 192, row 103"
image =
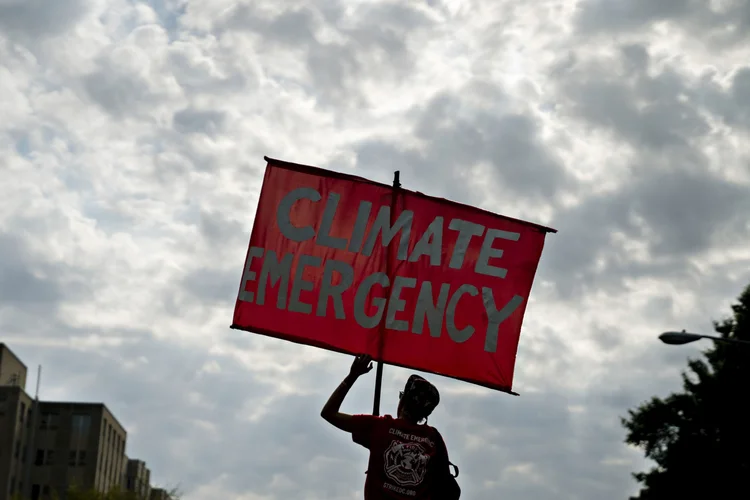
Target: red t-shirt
column 404, row 457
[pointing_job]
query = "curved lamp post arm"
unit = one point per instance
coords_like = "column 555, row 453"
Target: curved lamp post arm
column 683, row 337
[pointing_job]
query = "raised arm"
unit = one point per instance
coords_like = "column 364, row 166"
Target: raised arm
column 330, row 412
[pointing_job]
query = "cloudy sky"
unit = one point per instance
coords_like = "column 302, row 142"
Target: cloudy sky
column 131, row 148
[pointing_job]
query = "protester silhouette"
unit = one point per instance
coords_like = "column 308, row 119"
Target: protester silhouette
column 408, row 458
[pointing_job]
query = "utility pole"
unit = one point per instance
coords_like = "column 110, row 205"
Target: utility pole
column 381, row 340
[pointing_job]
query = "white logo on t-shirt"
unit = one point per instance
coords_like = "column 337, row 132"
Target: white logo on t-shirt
column 405, row 463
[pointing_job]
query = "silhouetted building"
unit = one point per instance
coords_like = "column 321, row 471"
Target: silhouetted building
column 62, row 444
column 12, row 369
column 138, row 479
column 79, row 444
column 15, row 423
column 15, row 427
column 159, row 494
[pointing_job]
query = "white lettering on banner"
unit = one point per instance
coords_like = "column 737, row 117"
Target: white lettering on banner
column 360, row 315
column 464, row 334
column 397, row 304
column 382, row 226
column 436, row 304
column 283, row 213
column 301, row 284
column 277, row 273
column 466, row 231
column 329, row 290
column 323, row 237
column 249, row 275
column 431, row 309
column 429, row 245
column 483, row 262
column 358, row 232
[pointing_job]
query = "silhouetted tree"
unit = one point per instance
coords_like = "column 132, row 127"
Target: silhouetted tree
column 700, row 437
column 91, row 494
column 75, row 493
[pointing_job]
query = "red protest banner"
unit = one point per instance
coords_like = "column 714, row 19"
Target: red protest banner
column 351, row 265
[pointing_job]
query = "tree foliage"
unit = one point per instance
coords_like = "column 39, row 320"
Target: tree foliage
column 75, row 493
column 92, row 494
column 113, row 494
column 699, row 438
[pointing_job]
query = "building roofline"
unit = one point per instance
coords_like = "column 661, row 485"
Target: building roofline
column 4, row 345
column 68, row 403
column 87, row 403
column 76, row 403
column 18, row 388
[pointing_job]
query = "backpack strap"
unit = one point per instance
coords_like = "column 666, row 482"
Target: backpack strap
column 443, row 453
column 451, row 464
column 448, row 485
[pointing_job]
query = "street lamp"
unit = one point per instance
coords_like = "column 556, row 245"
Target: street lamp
column 679, row 338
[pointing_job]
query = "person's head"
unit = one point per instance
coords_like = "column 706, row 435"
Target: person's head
column 418, row 399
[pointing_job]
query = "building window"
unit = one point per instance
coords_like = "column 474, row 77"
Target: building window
column 44, row 457
column 81, row 423
column 77, row 458
column 49, row 421
column 22, row 413
column 18, row 448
